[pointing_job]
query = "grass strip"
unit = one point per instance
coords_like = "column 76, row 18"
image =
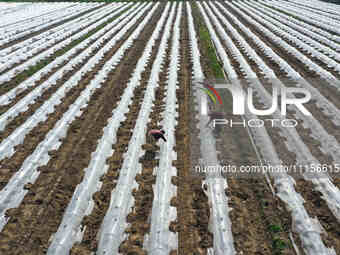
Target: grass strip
column 207, row 45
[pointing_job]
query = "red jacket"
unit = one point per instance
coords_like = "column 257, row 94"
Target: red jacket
column 156, row 133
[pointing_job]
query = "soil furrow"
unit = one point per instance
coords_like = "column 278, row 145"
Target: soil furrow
column 299, row 17
column 196, row 211
column 305, row 133
column 139, row 218
column 317, row 113
column 49, row 47
column 54, row 187
column 47, row 93
column 261, row 222
column 188, row 231
column 302, row 32
column 287, row 158
column 308, row 55
column 11, row 165
column 14, row 49
column 254, row 223
column 315, row 10
column 317, row 207
column 92, row 222
column 20, row 77
column 22, row 93
column 21, row 39
column 325, row 89
column 256, row 212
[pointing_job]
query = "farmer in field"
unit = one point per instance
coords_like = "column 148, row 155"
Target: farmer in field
column 156, row 134
column 152, row 138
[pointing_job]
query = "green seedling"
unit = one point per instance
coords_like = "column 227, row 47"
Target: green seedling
column 279, row 244
column 275, row 228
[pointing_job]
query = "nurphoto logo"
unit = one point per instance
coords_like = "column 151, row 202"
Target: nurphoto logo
column 243, row 103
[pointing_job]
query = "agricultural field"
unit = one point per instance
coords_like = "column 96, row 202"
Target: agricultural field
column 81, row 84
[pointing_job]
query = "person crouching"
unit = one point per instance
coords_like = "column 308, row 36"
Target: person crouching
column 152, row 138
